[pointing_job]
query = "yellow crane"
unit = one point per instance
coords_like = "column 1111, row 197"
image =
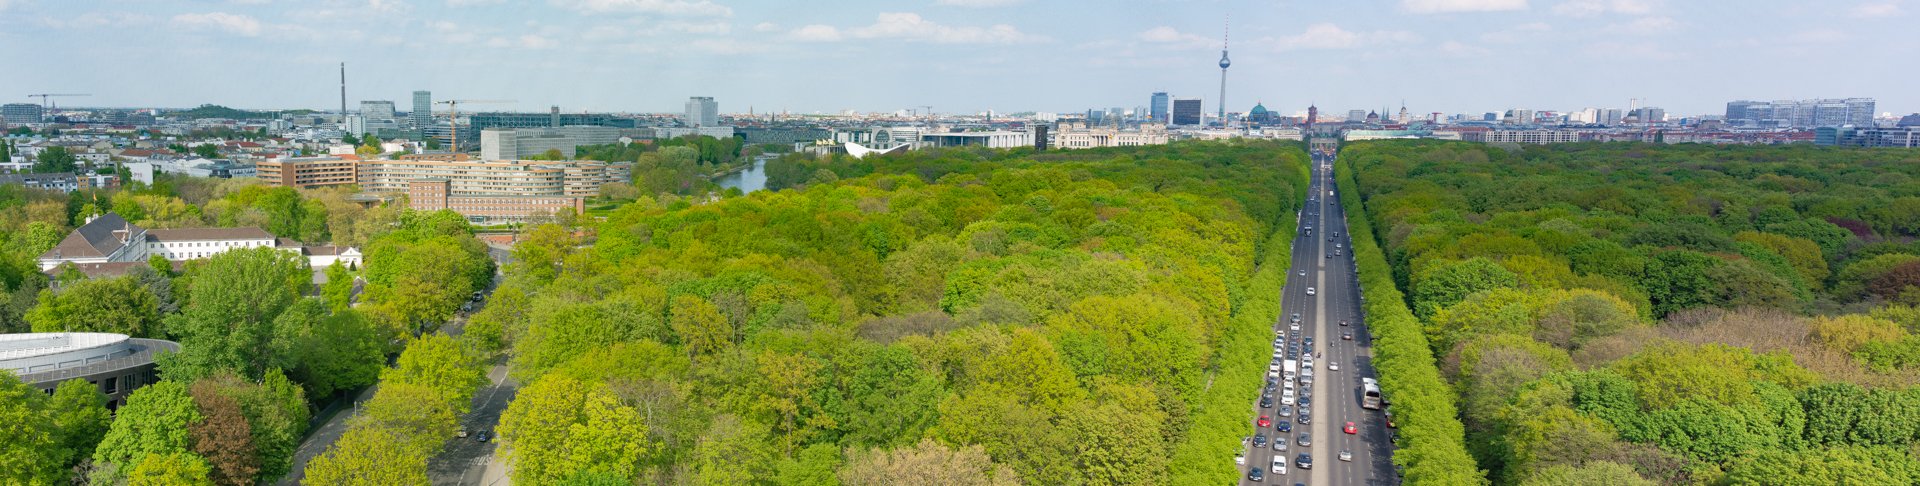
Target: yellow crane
column 454, row 120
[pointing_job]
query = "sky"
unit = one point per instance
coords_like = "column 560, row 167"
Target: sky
column 964, row 56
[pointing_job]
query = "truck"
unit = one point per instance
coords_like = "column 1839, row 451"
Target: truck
column 1292, row 368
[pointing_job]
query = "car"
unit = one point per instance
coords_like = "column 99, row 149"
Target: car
column 1329, row 238
column 1283, row 427
column 1328, row 256
column 1337, row 245
column 1267, row 402
column 1265, row 421
column 1286, row 399
column 1240, row 458
column 1308, row 340
column 462, row 433
column 1303, row 273
column 1309, row 290
column 1305, row 401
column 1346, row 455
column 1303, row 418
column 1273, row 367
column 1296, row 315
column 1343, row 323
column 1253, row 474
column 1336, row 253
column 1280, row 463
column 1350, row 429
column 483, row 436
column 1304, row 461
column 1260, row 440
column 1305, row 440
column 1295, row 326
column 1333, row 366
column 1346, row 336
column 1280, row 444
column 1286, row 411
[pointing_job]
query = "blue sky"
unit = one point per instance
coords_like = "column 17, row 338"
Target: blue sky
column 1451, row 56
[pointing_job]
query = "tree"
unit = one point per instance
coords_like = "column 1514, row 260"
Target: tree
column 171, row 469
column 31, row 451
column 227, row 322
column 438, row 363
column 1448, row 283
column 415, row 412
column 726, row 448
column 928, row 462
column 1680, row 279
column 893, row 400
column 79, row 413
column 115, row 305
column 157, row 419
column 55, row 159
column 369, row 456
column 223, row 437
column 207, row 151
column 1598, row 473
column 701, row 328
column 560, row 427
column 1850, row 332
column 342, row 351
column 1573, row 317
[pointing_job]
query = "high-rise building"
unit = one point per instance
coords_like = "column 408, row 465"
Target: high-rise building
column 422, row 114
column 1158, row 107
column 1186, row 112
column 20, row 113
column 702, row 111
column 377, row 110
column 1830, row 112
column 1356, row 116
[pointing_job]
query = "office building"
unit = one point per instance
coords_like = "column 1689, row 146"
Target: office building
column 20, row 113
column 1538, row 137
column 422, row 114
column 438, row 194
column 494, row 177
column 677, row 132
column 1848, row 136
column 483, row 121
column 702, row 111
column 308, row 172
column 376, row 110
column 1813, row 113
column 115, row 364
column 1186, row 112
column 1158, row 107
column 988, row 139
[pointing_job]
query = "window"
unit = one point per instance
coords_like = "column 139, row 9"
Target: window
column 112, row 385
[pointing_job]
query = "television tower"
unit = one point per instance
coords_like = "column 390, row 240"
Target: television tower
column 1224, row 36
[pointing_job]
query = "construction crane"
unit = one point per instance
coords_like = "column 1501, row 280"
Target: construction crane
column 43, row 98
column 454, row 120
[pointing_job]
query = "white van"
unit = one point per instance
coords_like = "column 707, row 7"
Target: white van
column 1280, row 464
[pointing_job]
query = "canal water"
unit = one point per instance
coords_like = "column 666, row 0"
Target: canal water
column 749, row 180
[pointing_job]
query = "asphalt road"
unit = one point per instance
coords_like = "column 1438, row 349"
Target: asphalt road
column 1335, row 395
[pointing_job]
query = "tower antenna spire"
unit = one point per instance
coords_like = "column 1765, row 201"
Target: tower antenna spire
column 1225, row 31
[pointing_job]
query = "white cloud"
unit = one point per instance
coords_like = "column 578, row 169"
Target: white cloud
column 1819, row 36
column 604, row 33
column 1450, row 6
column 1167, row 35
column 235, row 23
column 1648, row 25
column 911, row 27
column 531, row 41
column 1589, row 8
column 663, row 7
column 1516, row 33
column 766, row 27
column 815, row 33
column 1329, row 36
column 1876, row 10
column 977, row 3
column 726, row 46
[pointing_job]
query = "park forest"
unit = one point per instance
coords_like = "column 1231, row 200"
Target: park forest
column 1650, row 314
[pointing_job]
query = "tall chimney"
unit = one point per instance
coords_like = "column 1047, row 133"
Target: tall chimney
column 343, row 92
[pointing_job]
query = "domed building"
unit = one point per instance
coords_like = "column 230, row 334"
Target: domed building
column 1260, row 115
column 116, row 364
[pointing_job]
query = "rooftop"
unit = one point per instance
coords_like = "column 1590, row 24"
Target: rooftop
column 22, row 346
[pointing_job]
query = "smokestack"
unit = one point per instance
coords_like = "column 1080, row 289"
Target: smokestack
column 343, row 91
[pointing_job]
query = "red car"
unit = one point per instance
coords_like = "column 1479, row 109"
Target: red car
column 1265, row 422
column 1350, row 428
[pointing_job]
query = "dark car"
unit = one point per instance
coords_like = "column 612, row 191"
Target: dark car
column 1260, row 440
column 1303, row 418
column 1254, row 474
column 483, row 437
column 1307, row 340
column 1343, row 323
column 1304, row 461
column 1305, row 400
column 1266, row 402
column 1284, row 427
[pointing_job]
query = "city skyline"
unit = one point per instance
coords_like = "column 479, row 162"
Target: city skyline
column 961, row 56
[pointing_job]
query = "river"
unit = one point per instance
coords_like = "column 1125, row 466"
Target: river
column 749, row 180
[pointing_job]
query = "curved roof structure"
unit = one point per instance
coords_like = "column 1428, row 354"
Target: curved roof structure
column 48, row 356
column 861, row 151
